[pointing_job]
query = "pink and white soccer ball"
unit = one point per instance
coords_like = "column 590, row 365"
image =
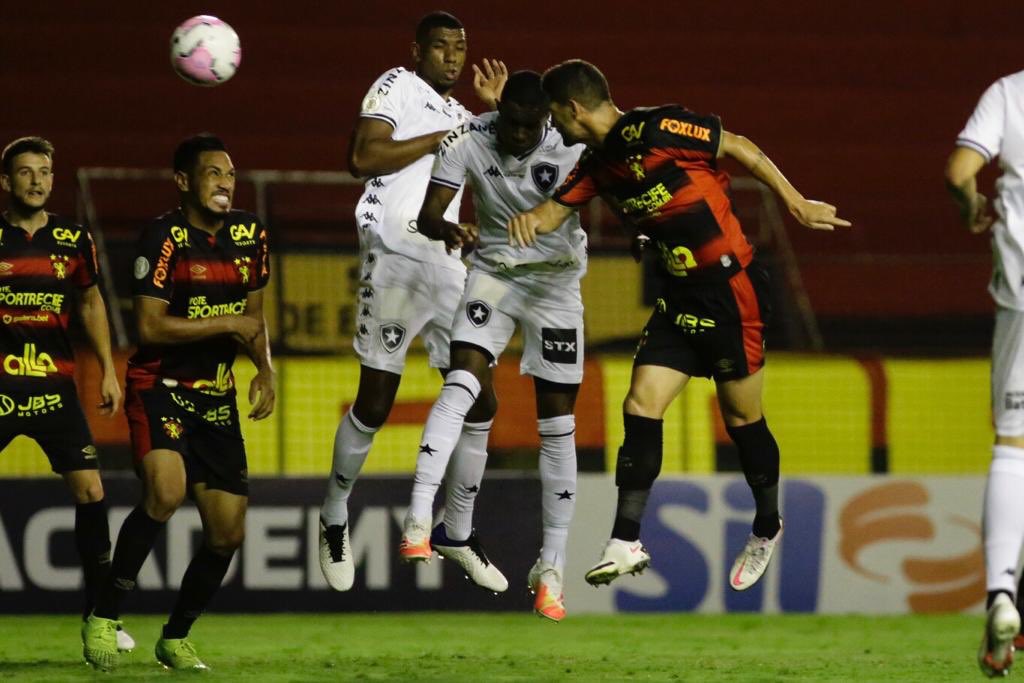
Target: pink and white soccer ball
column 205, row 51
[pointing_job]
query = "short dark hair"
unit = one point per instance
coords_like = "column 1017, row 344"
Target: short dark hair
column 578, row 80
column 435, row 20
column 186, row 156
column 524, row 88
column 29, row 144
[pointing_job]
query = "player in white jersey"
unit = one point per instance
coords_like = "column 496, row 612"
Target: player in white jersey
column 409, row 285
column 996, row 129
column 513, row 159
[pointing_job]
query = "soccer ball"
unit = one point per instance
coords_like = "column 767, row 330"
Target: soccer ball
column 205, row 51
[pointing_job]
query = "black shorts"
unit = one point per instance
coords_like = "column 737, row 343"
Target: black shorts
column 711, row 329
column 203, row 428
column 53, row 417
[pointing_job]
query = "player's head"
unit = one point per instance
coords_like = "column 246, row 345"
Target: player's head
column 576, row 88
column 439, row 52
column 204, row 174
column 522, row 112
column 27, row 173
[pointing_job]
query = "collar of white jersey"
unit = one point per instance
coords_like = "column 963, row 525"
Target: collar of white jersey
column 544, row 136
column 448, row 101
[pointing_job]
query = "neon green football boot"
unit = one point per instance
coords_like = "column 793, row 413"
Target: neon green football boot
column 99, row 642
column 179, row 654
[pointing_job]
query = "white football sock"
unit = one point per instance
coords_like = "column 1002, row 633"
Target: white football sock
column 558, row 484
column 463, row 479
column 1003, row 522
column 352, row 443
column 440, row 433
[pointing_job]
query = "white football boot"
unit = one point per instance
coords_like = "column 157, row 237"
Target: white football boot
column 336, row 561
column 545, row 582
column 750, row 565
column 619, row 557
column 125, row 643
column 469, row 555
column 415, row 544
column 995, row 656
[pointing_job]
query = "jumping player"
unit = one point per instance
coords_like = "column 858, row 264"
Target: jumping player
column 409, row 284
column 513, row 160
column 658, row 168
column 199, row 279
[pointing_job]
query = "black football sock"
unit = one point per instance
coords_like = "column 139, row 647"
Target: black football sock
column 759, row 457
column 629, row 513
column 202, row 579
column 134, row 543
column 92, row 538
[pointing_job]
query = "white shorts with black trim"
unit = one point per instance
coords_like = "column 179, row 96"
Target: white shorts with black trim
column 398, row 299
column 1008, row 372
column 551, row 317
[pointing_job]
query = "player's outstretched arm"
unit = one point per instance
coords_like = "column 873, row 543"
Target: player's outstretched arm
column 156, row 326
column 372, row 151
column 93, row 314
column 489, row 81
column 541, row 219
column 962, row 182
column 431, row 221
column 261, row 390
column 810, row 213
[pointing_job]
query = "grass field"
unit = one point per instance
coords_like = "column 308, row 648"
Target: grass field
column 521, row 647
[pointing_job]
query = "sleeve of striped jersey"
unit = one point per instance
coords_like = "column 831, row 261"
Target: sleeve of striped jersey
column 385, row 99
column 984, row 130
column 578, row 187
column 262, row 259
column 88, row 273
column 450, row 164
column 684, row 135
column 155, row 258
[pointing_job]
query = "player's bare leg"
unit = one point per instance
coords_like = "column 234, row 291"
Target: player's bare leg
column 652, row 389
column 352, row 441
column 740, row 401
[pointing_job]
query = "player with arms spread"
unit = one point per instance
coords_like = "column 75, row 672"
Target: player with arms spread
column 409, row 284
column 47, row 267
column 658, row 168
column 199, row 279
column 513, row 159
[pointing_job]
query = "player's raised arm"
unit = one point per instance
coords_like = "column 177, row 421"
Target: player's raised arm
column 810, row 213
column 961, row 181
column 541, row 219
column 374, row 152
column 489, row 80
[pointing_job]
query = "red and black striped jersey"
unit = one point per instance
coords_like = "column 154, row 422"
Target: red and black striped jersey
column 38, row 276
column 658, row 170
column 199, row 275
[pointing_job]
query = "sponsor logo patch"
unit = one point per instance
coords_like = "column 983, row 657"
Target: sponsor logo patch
column 559, row 345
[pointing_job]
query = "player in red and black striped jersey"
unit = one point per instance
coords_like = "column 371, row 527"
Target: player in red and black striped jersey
column 658, row 169
column 47, row 268
column 199, row 277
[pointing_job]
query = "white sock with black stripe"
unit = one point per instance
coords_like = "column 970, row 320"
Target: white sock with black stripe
column 465, row 474
column 352, row 443
column 558, row 484
column 440, row 433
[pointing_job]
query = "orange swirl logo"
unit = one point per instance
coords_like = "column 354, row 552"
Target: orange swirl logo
column 897, row 512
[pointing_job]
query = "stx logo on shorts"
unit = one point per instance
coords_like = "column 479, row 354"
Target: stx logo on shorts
column 559, row 345
column 391, row 336
column 29, row 363
column 478, row 312
column 173, row 427
column 1013, row 400
column 544, row 175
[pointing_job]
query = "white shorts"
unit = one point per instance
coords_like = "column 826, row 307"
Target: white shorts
column 1008, row 372
column 400, row 298
column 551, row 317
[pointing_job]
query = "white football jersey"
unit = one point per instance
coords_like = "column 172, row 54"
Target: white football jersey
column 996, row 129
column 390, row 203
column 505, row 185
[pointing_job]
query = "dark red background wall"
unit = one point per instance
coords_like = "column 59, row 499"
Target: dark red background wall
column 859, row 103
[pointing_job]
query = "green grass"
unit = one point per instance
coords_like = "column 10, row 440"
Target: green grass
column 521, row 647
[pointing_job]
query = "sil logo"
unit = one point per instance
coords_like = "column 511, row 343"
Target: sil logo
column 895, row 513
